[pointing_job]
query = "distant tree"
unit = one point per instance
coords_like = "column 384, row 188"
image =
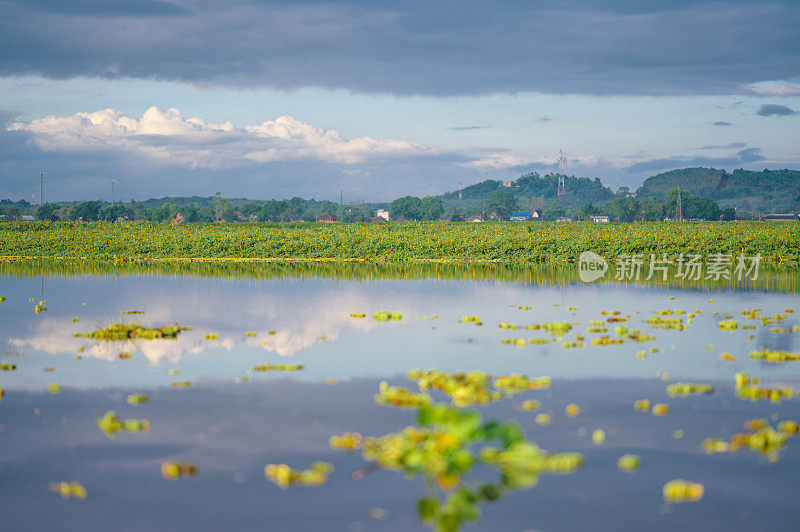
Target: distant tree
column 432, row 208
column 409, row 207
column 554, row 211
column 13, row 211
column 501, row 202
column 47, row 212
column 88, row 211
column 728, row 215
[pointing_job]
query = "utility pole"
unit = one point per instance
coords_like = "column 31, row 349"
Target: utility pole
column 33, row 196
column 561, row 187
column 41, row 188
column 218, row 206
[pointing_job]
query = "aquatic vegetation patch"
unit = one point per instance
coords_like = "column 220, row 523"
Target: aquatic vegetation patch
column 760, row 437
column 748, row 388
column 69, row 490
column 138, row 399
column 688, row 388
column 385, row 315
column 400, row 397
column 776, row 357
column 349, row 441
column 278, row 367
column 629, row 462
column 682, row 491
column 176, row 470
column 132, row 312
column 284, row 476
column 130, row 331
column 110, row 424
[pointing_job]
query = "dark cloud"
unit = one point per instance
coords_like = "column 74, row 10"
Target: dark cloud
column 748, row 155
column 413, row 47
column 722, row 123
column 106, row 8
column 542, row 119
column 466, row 128
column 775, row 110
column 732, row 145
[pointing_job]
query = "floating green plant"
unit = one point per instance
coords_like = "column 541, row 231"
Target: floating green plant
column 777, row 357
column 132, row 312
column 110, row 424
column 176, row 470
column 682, row 491
column 129, row 331
column 284, row 476
column 69, row 490
column 400, row 397
column 629, row 462
column 385, row 315
column 138, row 398
column 278, row 367
column 358, row 315
column 349, row 441
column 688, row 388
column 7, row 367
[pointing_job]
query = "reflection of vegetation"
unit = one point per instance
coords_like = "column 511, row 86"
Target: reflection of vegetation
column 130, row 331
column 442, row 449
column 784, row 280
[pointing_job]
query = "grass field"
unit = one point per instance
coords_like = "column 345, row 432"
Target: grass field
column 503, row 242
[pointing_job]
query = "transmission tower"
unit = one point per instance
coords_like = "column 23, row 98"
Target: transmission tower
column 561, row 159
column 112, row 191
column 41, row 188
column 679, row 211
column 459, row 191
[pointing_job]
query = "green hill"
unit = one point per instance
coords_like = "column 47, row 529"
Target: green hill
column 764, row 191
column 579, row 190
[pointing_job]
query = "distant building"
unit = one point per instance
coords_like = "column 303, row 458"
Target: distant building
column 26, row 218
column 520, row 216
column 475, row 219
column 789, row 217
column 603, row 218
column 376, row 219
column 563, row 219
column 382, row 213
column 327, row 218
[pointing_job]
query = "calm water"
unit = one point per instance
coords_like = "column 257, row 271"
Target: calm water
column 231, row 427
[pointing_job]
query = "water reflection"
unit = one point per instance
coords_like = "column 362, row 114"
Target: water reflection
column 781, row 280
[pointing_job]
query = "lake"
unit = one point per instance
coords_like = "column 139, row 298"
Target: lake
column 208, row 407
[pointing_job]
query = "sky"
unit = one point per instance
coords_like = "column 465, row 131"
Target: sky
column 376, row 100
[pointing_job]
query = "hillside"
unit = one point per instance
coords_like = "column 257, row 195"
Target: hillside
column 579, row 190
column 764, row 191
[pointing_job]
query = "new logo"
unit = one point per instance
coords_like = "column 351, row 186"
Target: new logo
column 591, row 266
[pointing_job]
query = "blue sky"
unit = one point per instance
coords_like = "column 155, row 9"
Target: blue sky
column 382, row 99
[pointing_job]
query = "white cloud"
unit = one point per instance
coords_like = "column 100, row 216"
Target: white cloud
column 165, row 136
column 774, row 90
column 498, row 161
column 501, row 161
